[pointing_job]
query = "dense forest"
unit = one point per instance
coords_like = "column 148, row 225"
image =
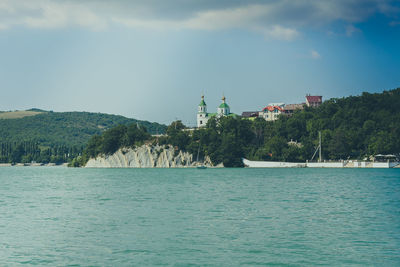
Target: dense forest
column 353, row 127
column 30, row 151
column 55, row 137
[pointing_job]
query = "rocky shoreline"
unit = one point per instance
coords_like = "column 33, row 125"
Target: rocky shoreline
column 148, row 156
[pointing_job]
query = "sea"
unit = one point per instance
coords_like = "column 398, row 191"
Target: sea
column 58, row 216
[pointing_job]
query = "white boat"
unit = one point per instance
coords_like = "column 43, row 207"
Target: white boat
column 326, row 164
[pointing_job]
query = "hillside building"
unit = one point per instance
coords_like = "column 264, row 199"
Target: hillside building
column 250, row 114
column 290, row 108
column 272, row 112
column 203, row 116
column 313, row 100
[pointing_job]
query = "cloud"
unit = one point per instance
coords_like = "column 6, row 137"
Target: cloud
column 278, row 32
column 350, row 30
column 48, row 14
column 275, row 19
column 238, row 18
column 314, row 54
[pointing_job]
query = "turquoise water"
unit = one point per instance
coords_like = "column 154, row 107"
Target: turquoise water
column 217, row 217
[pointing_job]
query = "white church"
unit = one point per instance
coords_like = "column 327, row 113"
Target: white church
column 203, row 116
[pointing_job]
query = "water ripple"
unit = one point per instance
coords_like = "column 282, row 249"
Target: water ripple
column 212, row 217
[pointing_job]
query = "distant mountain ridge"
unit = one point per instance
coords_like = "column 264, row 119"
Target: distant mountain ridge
column 50, row 128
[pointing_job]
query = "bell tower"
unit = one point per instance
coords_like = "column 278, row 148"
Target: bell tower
column 223, row 109
column 202, row 117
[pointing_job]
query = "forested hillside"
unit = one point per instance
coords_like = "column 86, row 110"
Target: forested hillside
column 55, row 136
column 352, row 127
column 355, row 126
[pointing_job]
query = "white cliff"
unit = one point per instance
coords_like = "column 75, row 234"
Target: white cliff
column 146, row 156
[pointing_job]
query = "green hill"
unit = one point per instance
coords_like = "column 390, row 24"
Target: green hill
column 46, row 136
column 62, row 128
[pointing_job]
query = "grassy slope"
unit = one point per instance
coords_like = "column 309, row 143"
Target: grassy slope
column 18, row 114
column 69, row 128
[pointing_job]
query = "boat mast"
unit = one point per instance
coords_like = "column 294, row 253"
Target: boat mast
column 318, row 148
column 198, row 152
column 320, row 154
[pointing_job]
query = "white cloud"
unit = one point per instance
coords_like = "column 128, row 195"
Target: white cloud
column 281, row 33
column 241, row 17
column 238, row 18
column 148, row 24
column 49, row 14
column 275, row 19
column 314, row 54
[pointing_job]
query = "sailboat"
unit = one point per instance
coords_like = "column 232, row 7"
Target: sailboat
column 318, row 148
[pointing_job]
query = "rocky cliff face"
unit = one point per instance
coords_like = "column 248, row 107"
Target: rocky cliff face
column 146, row 156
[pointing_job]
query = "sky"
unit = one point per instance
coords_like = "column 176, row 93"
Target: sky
column 153, row 59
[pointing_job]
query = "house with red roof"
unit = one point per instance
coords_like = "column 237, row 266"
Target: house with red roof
column 272, row 111
column 313, row 100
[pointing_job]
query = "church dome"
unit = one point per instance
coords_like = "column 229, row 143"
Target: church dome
column 202, row 102
column 223, row 105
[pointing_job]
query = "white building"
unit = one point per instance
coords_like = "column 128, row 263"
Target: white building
column 203, row 116
column 271, row 112
column 223, row 109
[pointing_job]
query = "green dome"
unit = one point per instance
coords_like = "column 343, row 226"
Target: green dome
column 224, row 105
column 202, row 103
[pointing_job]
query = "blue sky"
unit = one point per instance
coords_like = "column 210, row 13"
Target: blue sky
column 153, row 59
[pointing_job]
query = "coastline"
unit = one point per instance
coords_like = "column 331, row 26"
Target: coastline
column 33, row 165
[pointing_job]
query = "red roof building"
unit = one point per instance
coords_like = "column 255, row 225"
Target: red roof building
column 271, row 113
column 272, row 108
column 313, row 100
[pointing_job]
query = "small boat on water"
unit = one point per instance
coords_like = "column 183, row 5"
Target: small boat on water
column 201, row 167
column 382, row 161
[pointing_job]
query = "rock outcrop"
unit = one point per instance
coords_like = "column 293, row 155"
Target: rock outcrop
column 146, row 156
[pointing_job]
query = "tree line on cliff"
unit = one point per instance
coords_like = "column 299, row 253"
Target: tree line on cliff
column 111, row 140
column 352, row 127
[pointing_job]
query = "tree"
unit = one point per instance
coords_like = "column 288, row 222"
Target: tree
column 113, row 139
column 338, row 146
column 275, row 147
column 17, row 154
